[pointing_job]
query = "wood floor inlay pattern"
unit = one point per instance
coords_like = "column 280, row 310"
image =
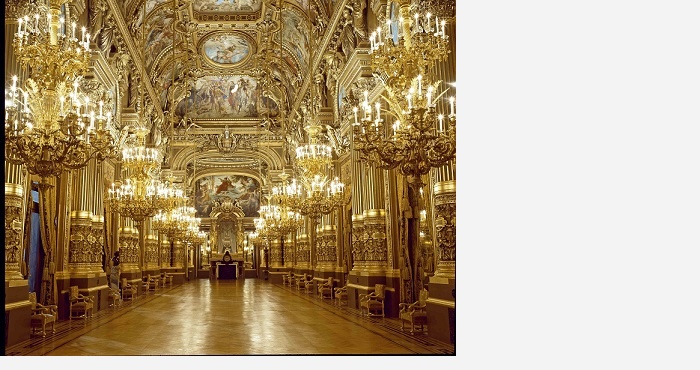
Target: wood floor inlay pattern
column 231, row 317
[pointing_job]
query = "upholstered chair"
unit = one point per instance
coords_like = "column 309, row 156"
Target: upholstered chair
column 414, row 313
column 341, row 295
column 128, row 290
column 373, row 302
column 80, row 305
column 42, row 316
column 325, row 290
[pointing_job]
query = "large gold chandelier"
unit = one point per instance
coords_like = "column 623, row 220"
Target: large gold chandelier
column 315, row 194
column 421, row 137
column 277, row 221
column 141, row 195
column 176, row 222
column 50, row 125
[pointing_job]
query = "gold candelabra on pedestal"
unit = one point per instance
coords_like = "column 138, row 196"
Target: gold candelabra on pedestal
column 406, row 129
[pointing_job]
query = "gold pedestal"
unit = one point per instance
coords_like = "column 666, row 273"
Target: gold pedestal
column 445, row 201
column 14, row 197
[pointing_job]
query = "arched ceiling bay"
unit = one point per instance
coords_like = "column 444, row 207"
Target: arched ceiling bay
column 233, row 44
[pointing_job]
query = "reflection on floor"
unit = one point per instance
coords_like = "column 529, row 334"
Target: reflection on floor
column 230, row 317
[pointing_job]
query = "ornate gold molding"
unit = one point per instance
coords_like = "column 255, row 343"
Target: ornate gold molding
column 446, row 228
column 13, row 230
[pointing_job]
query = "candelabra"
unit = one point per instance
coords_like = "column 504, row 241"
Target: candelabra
column 141, row 195
column 421, row 138
column 50, row 125
column 279, row 221
column 176, row 222
column 410, row 134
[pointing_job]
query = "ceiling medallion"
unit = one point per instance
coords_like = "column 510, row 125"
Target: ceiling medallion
column 226, row 50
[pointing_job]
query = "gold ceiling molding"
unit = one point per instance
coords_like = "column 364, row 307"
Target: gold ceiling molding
column 333, row 24
column 186, row 155
column 134, row 52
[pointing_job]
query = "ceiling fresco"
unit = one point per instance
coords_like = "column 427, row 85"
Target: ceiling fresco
column 226, row 97
column 226, row 49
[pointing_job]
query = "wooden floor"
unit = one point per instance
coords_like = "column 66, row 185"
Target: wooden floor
column 230, row 317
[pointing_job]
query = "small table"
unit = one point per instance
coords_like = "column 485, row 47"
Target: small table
column 227, row 271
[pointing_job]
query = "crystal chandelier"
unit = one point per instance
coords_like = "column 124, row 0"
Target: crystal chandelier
column 320, row 197
column 176, row 222
column 141, row 195
column 421, row 137
column 192, row 234
column 313, row 158
column 50, row 125
column 279, row 220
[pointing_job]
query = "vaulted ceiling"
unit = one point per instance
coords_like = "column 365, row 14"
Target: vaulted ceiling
column 234, row 66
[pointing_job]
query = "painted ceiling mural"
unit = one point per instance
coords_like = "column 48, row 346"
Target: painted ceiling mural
column 226, row 97
column 243, row 189
column 226, row 49
column 225, row 46
column 226, row 6
column 150, row 4
column 159, row 36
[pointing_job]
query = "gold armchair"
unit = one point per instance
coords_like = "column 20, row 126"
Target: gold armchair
column 128, row 290
column 166, row 277
column 150, row 284
column 80, row 305
column 42, row 316
column 414, row 313
column 309, row 285
column 325, row 290
column 301, row 282
column 288, row 279
column 341, row 295
column 373, row 302
column 114, row 297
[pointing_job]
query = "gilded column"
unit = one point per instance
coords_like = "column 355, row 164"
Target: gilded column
column 164, row 251
column 14, row 179
column 151, row 242
column 275, row 253
column 445, row 183
column 14, row 200
column 289, row 255
column 374, row 248
column 79, row 245
column 357, row 218
column 302, row 252
column 326, row 246
column 178, row 254
column 441, row 302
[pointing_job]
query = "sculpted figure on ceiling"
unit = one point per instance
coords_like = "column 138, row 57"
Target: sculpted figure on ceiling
column 102, row 25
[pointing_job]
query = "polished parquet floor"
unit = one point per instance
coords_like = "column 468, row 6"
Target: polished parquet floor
column 230, row 317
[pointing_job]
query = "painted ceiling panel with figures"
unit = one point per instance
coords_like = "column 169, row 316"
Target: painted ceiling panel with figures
column 225, row 52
